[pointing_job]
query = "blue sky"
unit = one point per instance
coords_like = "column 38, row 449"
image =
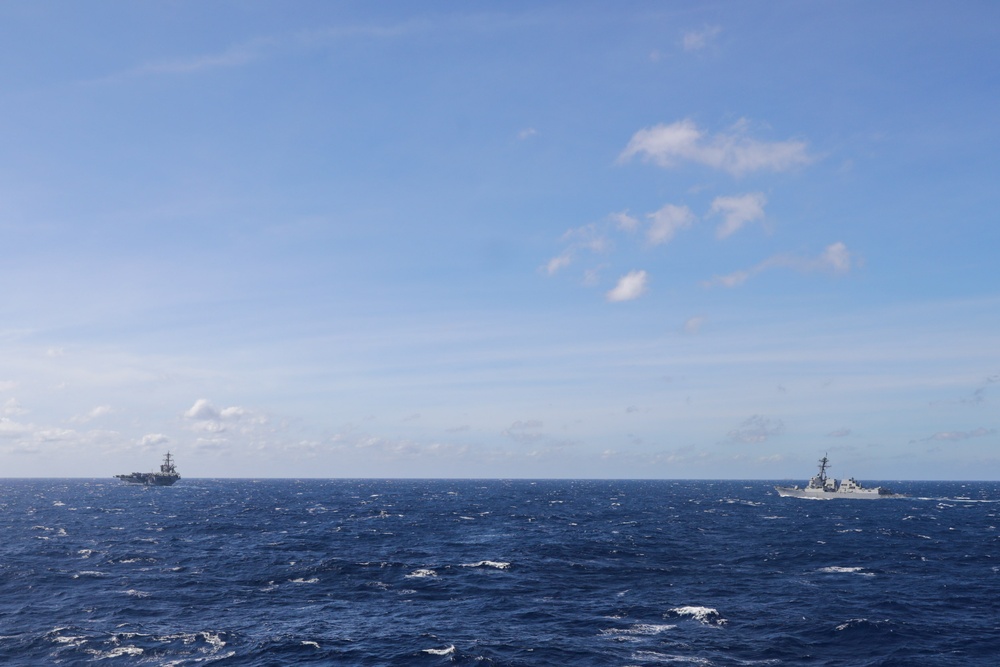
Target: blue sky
column 651, row 239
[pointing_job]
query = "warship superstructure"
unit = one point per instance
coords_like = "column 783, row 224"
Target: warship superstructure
column 168, row 475
column 822, row 487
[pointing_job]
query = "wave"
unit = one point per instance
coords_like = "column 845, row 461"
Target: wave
column 421, row 573
column 639, row 629
column 836, row 569
column 116, row 652
column 655, row 656
column 500, row 565
column 440, row 651
column 704, row 615
column 865, row 625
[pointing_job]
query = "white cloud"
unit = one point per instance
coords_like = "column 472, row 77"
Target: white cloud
column 734, row 152
column 729, row 280
column 202, row 410
column 208, row 418
column 7, row 385
column 233, row 412
column 756, row 429
column 694, row 324
column 558, row 262
column 97, row 412
column 57, row 435
column 696, row 40
column 527, row 133
column 153, row 439
column 737, row 211
column 624, row 221
column 667, row 221
column 592, row 276
column 835, row 257
column 952, row 436
column 525, row 431
column 13, row 407
column 588, row 237
column 630, row 286
column 13, row 429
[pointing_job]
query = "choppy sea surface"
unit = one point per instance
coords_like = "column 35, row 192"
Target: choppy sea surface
column 492, row 572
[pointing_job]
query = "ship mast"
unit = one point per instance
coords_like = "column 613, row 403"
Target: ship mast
column 823, row 463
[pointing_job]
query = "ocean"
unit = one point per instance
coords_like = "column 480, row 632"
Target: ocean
column 494, row 572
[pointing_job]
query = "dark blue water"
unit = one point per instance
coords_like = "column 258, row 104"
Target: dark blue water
column 240, row 572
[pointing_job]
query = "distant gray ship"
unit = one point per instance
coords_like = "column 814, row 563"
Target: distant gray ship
column 823, row 487
column 167, row 475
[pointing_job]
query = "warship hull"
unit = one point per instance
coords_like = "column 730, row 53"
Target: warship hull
column 149, row 478
column 819, row 494
column 822, row 487
column 167, row 476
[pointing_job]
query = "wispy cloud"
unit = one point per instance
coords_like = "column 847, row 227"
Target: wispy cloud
column 13, row 407
column 667, row 221
column 630, row 286
column 96, row 413
column 558, row 263
column 153, row 440
column 732, row 151
column 624, row 221
column 979, row 395
column 589, row 238
column 835, row 258
column 756, row 429
column 693, row 325
column 259, row 48
column 525, row 431
column 954, row 436
column 696, row 40
column 737, row 211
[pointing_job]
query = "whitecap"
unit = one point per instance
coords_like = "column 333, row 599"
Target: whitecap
column 88, row 573
column 72, row 640
column 836, row 569
column 309, row 643
column 137, row 594
column 705, row 615
column 863, row 623
column 423, row 572
column 116, row 652
column 500, row 565
column 440, row 651
column 300, row 580
column 653, row 656
column 212, row 639
column 641, row 629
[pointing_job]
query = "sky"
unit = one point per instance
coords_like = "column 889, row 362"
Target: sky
column 708, row 240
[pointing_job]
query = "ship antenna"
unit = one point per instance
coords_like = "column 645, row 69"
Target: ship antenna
column 823, row 462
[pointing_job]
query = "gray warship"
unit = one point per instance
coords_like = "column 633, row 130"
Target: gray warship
column 167, row 475
column 822, row 487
